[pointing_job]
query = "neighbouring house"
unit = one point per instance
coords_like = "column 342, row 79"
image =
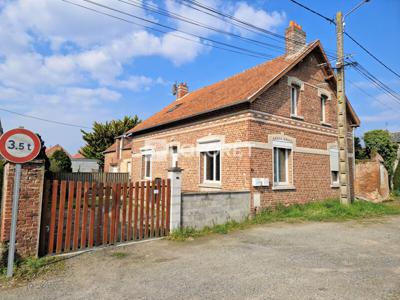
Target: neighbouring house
column 50, row 151
column 270, row 130
column 81, row 164
column 118, row 157
column 372, row 180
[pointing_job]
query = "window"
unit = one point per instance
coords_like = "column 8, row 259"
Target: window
column 114, row 169
column 212, row 166
column 334, row 162
column 281, row 166
column 174, row 156
column 335, row 177
column 146, row 166
column 129, row 167
column 294, row 99
column 323, row 108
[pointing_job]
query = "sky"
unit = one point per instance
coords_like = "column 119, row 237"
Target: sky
column 64, row 63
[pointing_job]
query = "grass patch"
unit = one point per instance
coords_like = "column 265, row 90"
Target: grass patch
column 119, row 254
column 31, row 268
column 329, row 210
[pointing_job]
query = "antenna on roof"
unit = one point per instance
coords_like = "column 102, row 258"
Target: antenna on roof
column 174, row 89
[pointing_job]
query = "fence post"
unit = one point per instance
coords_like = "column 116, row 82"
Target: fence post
column 174, row 174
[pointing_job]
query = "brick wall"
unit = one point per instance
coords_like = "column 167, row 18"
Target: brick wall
column 370, row 183
column 29, row 209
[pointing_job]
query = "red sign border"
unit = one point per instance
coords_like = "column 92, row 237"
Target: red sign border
column 19, row 160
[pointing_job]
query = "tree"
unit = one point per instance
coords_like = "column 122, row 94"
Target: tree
column 396, row 178
column 380, row 141
column 359, row 150
column 60, row 162
column 103, row 136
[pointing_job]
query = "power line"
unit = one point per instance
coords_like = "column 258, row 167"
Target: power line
column 44, row 120
column 176, row 16
column 372, row 55
column 330, row 20
column 175, row 29
column 370, row 96
column 157, row 30
column 206, row 9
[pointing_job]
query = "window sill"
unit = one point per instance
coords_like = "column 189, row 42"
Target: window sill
column 325, row 124
column 213, row 185
column 296, row 117
column 283, row 187
column 335, row 185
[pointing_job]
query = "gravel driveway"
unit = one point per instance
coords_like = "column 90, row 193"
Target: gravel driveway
column 350, row 260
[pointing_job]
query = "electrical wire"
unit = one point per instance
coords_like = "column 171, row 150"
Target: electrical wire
column 157, row 30
column 175, row 29
column 372, row 55
column 43, row 119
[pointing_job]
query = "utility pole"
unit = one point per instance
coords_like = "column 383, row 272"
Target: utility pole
column 342, row 116
column 345, row 197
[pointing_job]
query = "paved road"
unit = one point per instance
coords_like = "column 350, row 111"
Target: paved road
column 350, row 260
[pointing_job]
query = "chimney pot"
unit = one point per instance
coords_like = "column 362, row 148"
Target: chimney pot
column 181, row 90
column 295, row 38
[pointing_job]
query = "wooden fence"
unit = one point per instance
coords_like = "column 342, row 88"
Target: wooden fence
column 91, row 177
column 80, row 215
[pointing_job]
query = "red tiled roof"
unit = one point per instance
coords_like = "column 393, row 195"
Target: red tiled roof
column 242, row 87
column 77, row 155
column 111, row 148
column 50, row 151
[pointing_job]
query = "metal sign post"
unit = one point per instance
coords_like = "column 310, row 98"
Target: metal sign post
column 13, row 230
column 18, row 146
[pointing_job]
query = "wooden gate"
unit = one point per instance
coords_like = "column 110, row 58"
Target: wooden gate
column 81, row 215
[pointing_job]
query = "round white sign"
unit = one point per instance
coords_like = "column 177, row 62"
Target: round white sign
column 19, row 145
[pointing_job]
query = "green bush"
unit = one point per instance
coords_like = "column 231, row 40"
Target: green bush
column 396, row 179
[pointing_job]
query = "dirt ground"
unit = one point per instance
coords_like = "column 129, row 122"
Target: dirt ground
column 349, row 260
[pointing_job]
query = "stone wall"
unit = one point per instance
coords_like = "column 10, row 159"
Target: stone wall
column 29, row 207
column 211, row 208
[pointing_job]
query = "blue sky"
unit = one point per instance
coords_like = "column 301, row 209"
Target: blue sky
column 64, row 63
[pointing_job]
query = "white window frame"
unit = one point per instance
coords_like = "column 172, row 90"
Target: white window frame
column 113, row 169
column 294, row 99
column 129, row 167
column 215, row 153
column 147, row 158
column 174, row 156
column 276, row 163
column 334, row 167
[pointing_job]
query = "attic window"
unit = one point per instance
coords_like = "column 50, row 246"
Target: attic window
column 175, row 107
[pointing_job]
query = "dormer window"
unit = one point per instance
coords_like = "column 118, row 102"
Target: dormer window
column 295, row 91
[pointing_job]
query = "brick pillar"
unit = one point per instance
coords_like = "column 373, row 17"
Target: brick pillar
column 174, row 174
column 29, row 207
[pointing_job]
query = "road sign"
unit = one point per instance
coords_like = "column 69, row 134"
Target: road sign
column 19, row 145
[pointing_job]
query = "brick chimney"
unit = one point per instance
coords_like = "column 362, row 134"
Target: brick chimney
column 295, row 38
column 180, row 90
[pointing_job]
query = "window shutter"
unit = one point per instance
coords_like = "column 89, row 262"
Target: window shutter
column 334, row 158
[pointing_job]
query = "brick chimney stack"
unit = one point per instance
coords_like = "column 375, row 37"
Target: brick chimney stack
column 180, row 90
column 295, row 38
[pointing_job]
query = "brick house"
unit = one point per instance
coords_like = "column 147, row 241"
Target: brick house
column 270, row 130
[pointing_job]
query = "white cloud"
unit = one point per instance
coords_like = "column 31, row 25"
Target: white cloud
column 62, row 62
column 259, row 17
